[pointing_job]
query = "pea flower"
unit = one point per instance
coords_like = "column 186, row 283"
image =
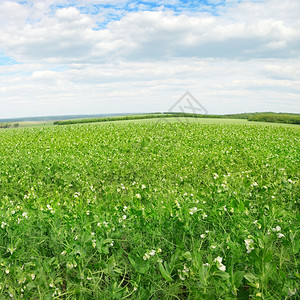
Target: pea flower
column 193, row 210
column 276, row 229
column 220, row 266
column 249, row 245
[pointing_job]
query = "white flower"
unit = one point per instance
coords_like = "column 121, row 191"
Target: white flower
column 69, row 266
column 185, row 269
column 193, row 210
column 204, row 216
column 276, row 229
column 180, row 276
column 143, row 186
column 146, row 256
column 11, row 249
column 124, row 217
column 138, row 196
column 202, row 236
column 249, row 245
column 220, row 266
column 280, row 235
column 22, row 280
column 64, row 252
column 3, row 224
column 150, row 253
column 218, row 259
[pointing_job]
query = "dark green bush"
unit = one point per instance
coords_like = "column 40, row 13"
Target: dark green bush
column 276, row 118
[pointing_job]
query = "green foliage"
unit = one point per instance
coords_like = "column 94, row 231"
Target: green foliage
column 4, row 125
column 276, row 118
column 160, row 210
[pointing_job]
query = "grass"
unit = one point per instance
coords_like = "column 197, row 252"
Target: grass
column 150, row 210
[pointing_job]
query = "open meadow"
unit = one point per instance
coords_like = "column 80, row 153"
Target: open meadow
column 150, row 210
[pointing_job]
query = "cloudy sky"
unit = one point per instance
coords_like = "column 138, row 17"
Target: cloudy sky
column 97, row 56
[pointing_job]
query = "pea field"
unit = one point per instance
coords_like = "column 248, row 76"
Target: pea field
column 150, row 210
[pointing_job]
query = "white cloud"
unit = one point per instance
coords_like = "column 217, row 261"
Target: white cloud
column 68, row 36
column 245, row 58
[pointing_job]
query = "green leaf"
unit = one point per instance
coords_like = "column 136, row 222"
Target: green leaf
column 30, row 285
column 260, row 243
column 143, row 267
column 107, row 241
column 130, row 258
column 268, row 256
column 241, row 207
column 238, row 278
column 188, row 256
column 221, row 274
column 164, row 273
column 252, row 279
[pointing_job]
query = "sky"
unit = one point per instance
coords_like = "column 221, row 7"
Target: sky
column 63, row 57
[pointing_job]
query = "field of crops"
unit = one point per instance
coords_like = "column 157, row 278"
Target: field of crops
column 149, row 210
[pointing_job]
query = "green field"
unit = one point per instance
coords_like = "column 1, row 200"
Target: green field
column 158, row 209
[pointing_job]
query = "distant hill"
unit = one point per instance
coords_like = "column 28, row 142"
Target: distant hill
column 276, row 117
column 60, row 118
column 73, row 119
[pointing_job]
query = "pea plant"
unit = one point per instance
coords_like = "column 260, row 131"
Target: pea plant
column 149, row 210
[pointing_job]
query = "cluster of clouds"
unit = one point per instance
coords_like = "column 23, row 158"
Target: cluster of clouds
column 88, row 56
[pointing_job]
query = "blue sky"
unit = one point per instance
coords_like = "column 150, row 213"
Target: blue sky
column 96, row 56
column 6, row 60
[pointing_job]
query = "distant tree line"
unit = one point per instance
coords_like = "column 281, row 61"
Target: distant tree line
column 8, row 125
column 135, row 117
column 276, row 118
